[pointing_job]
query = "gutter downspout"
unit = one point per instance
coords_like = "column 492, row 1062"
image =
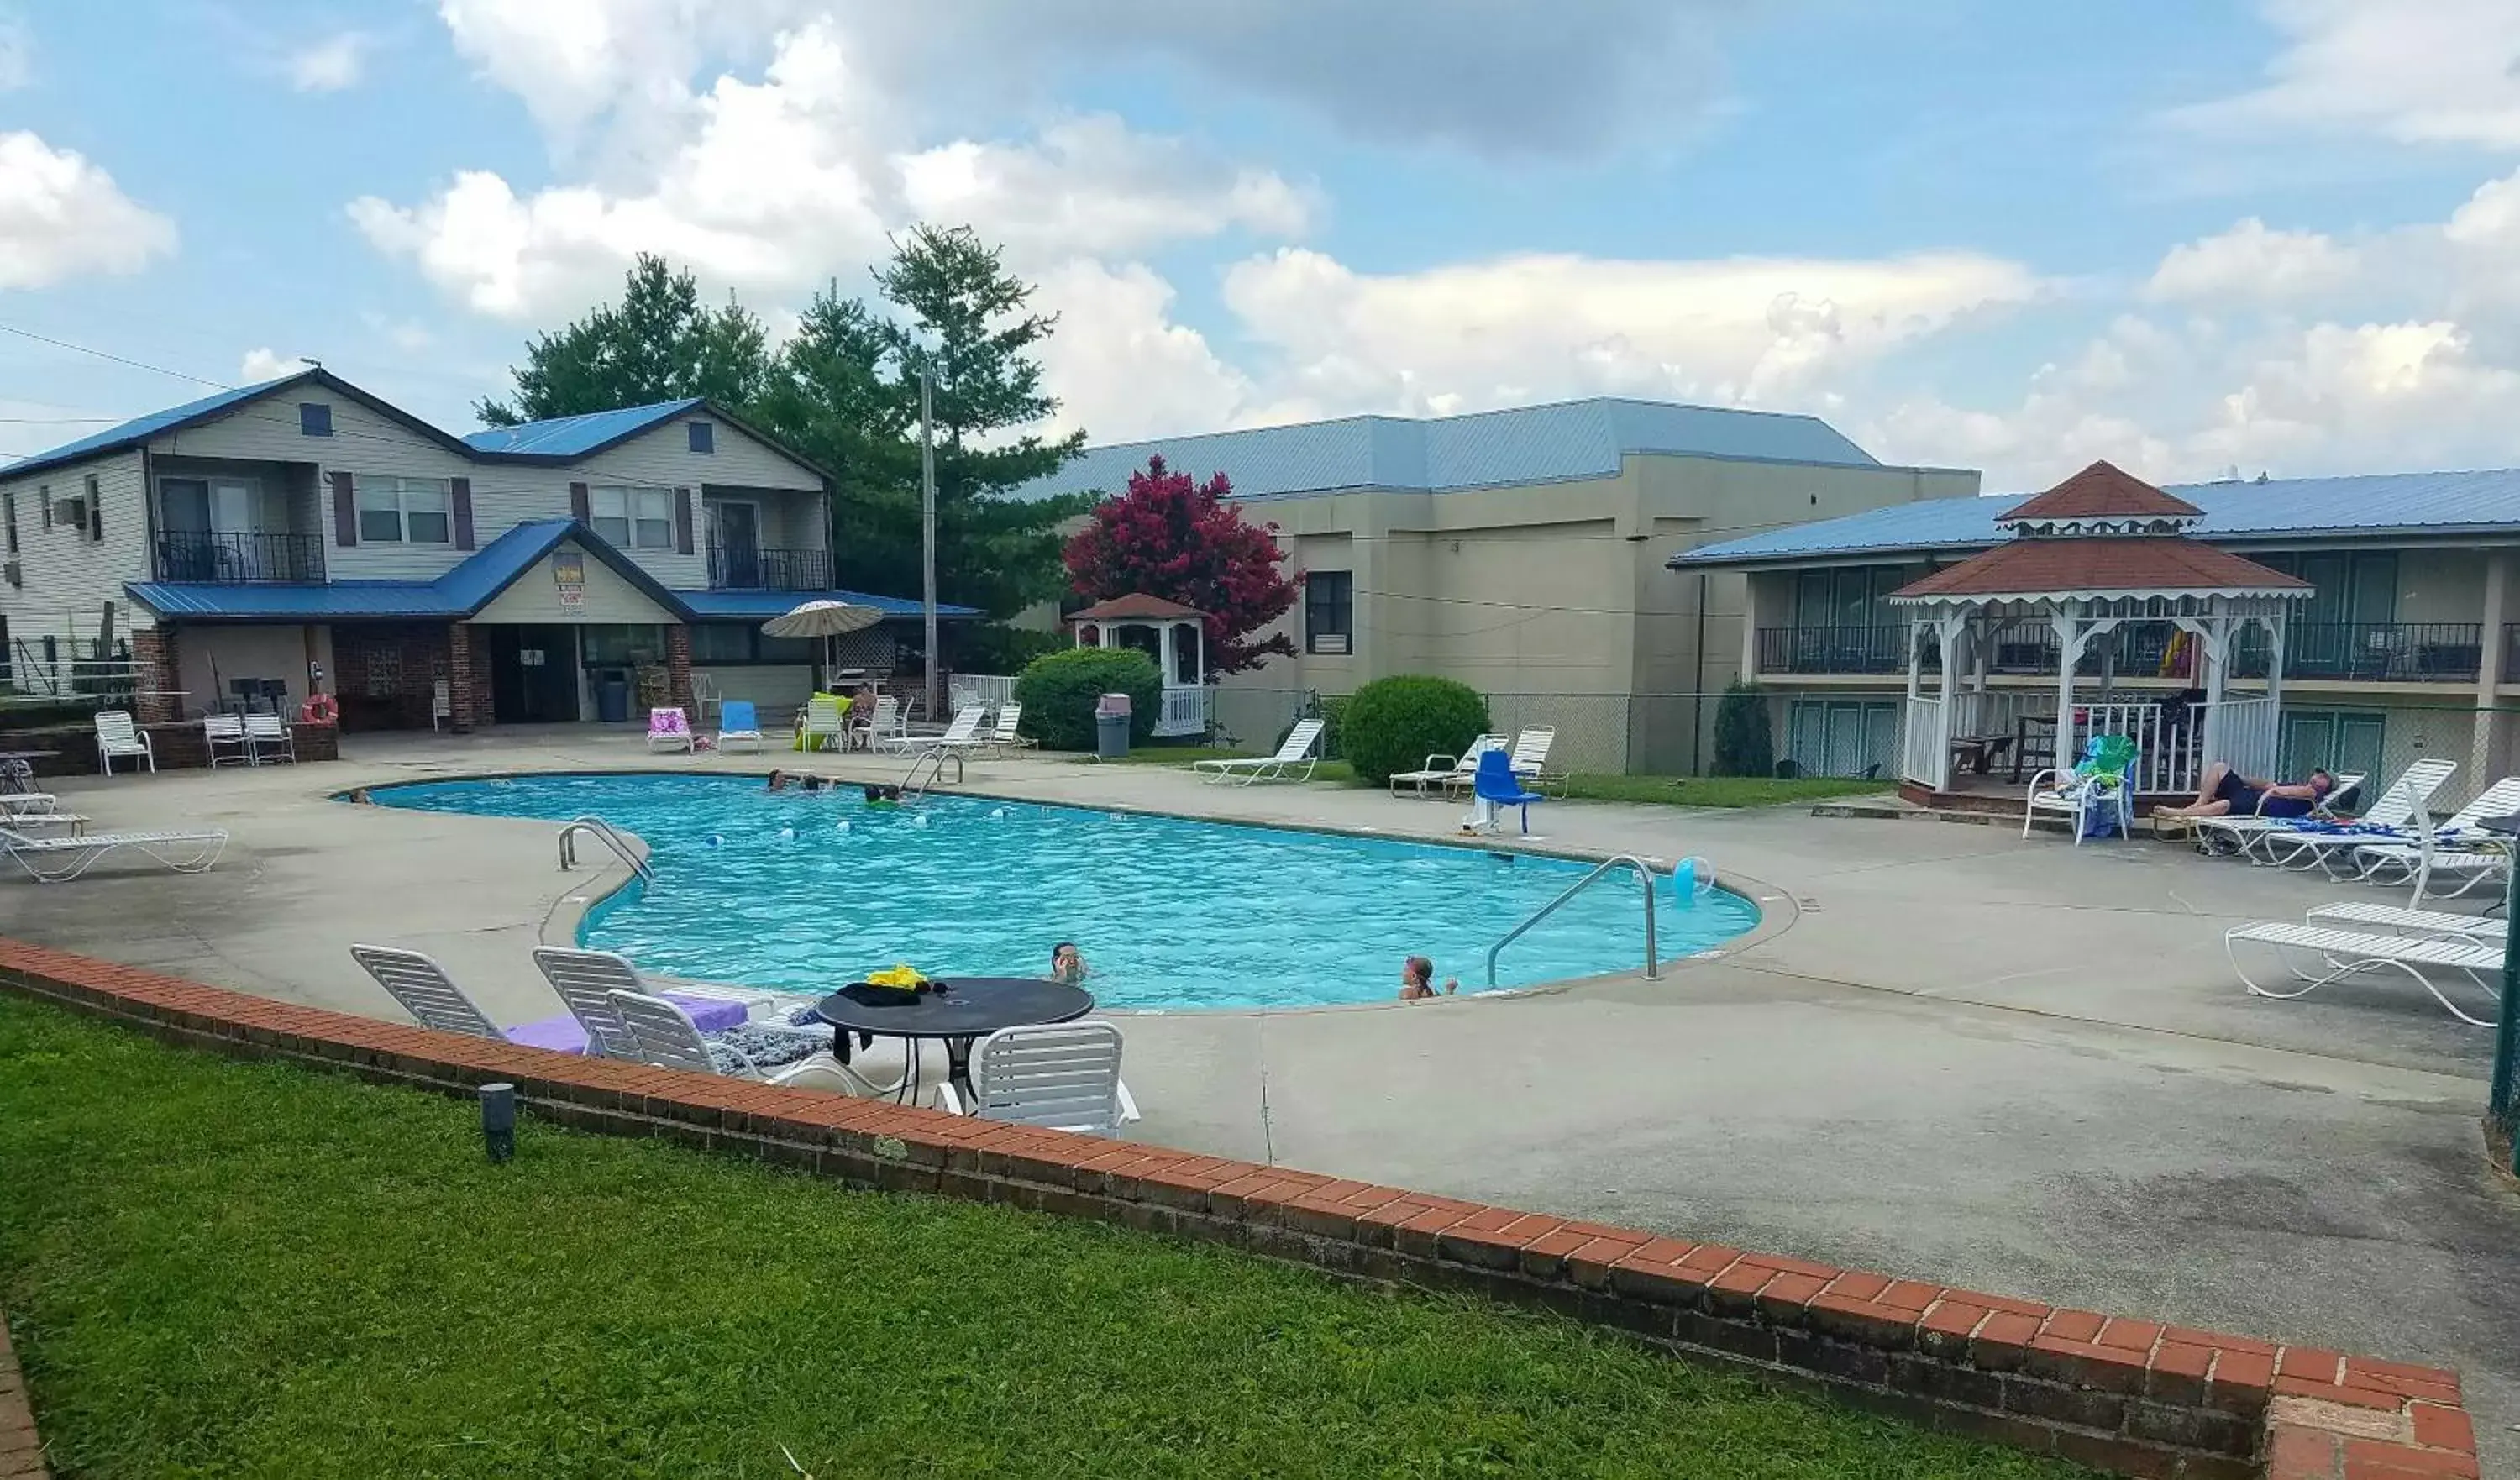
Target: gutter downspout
column 1697, row 699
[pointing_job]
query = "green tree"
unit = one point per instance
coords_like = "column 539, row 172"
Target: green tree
column 1744, row 744
column 659, row 343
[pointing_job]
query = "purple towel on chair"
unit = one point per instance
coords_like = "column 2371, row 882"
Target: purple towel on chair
column 563, row 1035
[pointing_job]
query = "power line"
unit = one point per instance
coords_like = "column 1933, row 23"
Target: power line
column 59, row 421
column 28, row 334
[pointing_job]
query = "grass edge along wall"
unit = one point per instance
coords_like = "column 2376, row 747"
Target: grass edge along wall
column 2131, row 1396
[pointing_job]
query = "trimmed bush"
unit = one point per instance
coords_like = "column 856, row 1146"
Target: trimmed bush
column 1393, row 724
column 1057, row 694
column 1744, row 744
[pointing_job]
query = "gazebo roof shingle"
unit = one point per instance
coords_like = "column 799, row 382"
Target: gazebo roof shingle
column 2103, row 565
column 1136, row 607
column 2104, row 491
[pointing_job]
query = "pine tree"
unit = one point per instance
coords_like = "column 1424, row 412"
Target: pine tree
column 657, row 344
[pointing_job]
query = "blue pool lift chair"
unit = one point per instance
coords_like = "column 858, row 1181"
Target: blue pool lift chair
column 1496, row 785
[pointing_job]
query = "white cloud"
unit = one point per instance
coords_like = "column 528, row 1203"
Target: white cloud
column 777, row 184
column 331, row 64
column 1749, row 331
column 2249, row 261
column 16, row 50
column 2423, row 71
column 263, row 363
column 62, row 216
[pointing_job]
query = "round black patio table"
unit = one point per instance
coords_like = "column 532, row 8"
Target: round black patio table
column 970, row 1008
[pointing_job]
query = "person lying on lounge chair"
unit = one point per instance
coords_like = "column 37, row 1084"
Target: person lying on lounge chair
column 2226, row 793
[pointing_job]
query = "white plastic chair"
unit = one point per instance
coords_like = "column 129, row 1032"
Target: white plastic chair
column 1062, row 1076
column 1447, row 771
column 663, row 1035
column 1003, row 735
column 825, row 720
column 1531, row 757
column 117, row 736
column 57, row 860
column 585, row 981
column 268, row 736
column 441, row 704
column 223, row 735
column 704, row 698
column 738, row 723
column 425, row 991
column 1297, row 751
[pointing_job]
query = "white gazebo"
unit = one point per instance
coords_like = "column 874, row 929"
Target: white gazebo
column 2098, row 558
column 1175, row 635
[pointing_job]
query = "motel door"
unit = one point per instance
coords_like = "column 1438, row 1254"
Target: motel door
column 533, row 675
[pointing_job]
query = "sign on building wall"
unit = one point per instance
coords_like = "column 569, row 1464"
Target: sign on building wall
column 568, row 573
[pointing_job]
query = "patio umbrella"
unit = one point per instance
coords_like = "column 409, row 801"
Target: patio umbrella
column 823, row 619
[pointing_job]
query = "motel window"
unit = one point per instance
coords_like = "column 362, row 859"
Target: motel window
column 404, row 510
column 634, row 519
column 95, row 510
column 1330, row 612
column 703, row 436
column 732, row 642
column 314, row 419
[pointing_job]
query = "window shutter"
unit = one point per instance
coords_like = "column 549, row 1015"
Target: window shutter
column 95, row 511
column 682, row 520
column 345, row 511
column 44, row 496
column 460, row 491
column 578, row 507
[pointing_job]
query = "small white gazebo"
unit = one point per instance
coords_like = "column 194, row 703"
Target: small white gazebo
column 1175, row 635
column 2101, row 552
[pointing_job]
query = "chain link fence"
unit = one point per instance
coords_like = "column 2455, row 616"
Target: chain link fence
column 1601, row 733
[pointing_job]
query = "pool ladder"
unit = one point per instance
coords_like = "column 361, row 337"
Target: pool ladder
column 605, row 832
column 1644, row 876
column 934, row 763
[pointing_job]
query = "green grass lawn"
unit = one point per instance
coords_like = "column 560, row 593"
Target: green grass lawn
column 228, row 1268
column 1671, row 790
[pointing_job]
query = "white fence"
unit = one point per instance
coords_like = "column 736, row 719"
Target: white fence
column 989, row 689
column 1185, row 710
column 1923, row 754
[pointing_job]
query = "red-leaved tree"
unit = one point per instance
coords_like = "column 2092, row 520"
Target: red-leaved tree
column 1174, row 538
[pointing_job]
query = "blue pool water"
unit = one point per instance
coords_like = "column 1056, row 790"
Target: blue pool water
column 804, row 892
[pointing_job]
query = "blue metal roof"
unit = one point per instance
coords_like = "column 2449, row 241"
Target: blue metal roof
column 141, row 429
column 2487, row 501
column 1531, row 444
column 475, row 583
column 576, row 436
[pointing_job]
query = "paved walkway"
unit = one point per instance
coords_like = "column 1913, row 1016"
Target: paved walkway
column 2015, row 1065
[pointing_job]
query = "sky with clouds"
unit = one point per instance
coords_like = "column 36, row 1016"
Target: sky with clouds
column 2189, row 236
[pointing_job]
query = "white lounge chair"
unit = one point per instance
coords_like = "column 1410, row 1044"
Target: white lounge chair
column 25, row 810
column 425, row 991
column 269, row 738
column 883, row 722
column 2383, row 920
column 668, row 729
column 223, row 735
column 1531, row 758
column 2385, row 859
column 963, row 734
column 1062, row 1076
column 2443, row 849
column 826, row 719
column 2353, row 953
column 117, row 738
column 1448, row 770
column 57, row 860
column 1297, row 750
column 2392, row 808
column 663, row 1034
column 737, row 724
column 585, row 981
column 1003, row 735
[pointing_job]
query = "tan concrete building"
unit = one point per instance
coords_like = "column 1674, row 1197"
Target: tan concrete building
column 1525, row 552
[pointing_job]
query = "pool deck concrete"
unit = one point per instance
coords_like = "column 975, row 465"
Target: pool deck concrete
column 2015, row 1065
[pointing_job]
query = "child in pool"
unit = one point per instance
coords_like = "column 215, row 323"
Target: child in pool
column 1417, row 980
column 1068, row 964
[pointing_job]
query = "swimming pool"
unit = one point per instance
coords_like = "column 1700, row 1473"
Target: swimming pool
column 804, row 892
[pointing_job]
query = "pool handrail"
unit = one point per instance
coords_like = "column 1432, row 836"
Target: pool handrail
column 611, row 839
column 912, row 786
column 1645, row 876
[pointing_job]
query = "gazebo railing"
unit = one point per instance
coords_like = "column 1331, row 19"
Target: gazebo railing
column 1923, row 754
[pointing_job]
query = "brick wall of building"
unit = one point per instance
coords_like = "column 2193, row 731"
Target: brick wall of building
column 385, row 673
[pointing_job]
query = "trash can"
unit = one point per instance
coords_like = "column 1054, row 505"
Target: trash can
column 1112, row 728
column 612, row 701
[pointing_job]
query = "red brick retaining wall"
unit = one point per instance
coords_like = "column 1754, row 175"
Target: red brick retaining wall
column 2134, row 1397
column 22, row 1454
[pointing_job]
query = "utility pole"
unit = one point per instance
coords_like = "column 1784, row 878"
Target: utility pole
column 928, row 526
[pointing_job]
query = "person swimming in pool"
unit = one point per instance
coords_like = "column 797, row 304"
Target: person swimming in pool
column 1068, row 964
column 2226, row 793
column 1417, row 980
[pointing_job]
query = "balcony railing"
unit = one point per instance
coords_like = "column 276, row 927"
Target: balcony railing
column 750, row 568
column 1833, row 650
column 2370, row 652
column 205, row 555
